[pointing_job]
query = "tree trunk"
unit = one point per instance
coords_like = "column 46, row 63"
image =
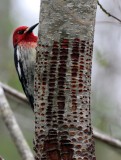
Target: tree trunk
column 63, row 80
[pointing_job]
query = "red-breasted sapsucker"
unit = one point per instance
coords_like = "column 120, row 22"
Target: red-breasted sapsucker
column 25, row 42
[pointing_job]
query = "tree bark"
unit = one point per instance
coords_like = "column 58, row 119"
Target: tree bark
column 63, row 80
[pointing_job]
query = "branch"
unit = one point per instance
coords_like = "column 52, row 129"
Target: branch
column 1, row 158
column 109, row 14
column 97, row 134
column 107, row 139
column 11, row 124
column 14, row 93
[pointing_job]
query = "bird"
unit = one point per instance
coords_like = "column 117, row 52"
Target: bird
column 25, row 43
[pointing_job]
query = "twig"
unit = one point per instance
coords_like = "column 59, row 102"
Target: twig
column 97, row 134
column 14, row 93
column 106, row 12
column 107, row 139
column 1, row 158
column 13, row 128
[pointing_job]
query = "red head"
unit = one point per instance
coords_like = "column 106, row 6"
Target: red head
column 24, row 34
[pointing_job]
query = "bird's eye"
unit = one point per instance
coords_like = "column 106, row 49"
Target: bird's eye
column 20, row 31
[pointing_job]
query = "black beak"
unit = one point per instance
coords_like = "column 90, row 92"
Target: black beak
column 29, row 30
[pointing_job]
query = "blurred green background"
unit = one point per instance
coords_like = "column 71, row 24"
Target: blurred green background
column 106, row 75
column 11, row 16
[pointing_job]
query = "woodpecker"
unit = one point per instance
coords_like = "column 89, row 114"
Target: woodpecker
column 24, row 43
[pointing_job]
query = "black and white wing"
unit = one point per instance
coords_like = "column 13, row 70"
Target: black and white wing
column 24, row 63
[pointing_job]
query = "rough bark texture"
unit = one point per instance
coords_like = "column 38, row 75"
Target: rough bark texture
column 63, row 80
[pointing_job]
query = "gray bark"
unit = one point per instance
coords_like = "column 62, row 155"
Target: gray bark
column 63, row 80
column 13, row 127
